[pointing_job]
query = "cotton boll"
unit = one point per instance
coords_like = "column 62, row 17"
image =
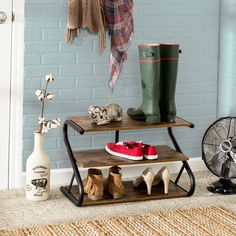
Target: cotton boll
column 50, row 96
column 49, row 78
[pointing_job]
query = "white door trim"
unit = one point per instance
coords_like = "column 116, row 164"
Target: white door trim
column 16, row 105
column 5, row 80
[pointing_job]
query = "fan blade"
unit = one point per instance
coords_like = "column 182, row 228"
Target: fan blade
column 233, row 141
column 215, row 160
column 233, row 156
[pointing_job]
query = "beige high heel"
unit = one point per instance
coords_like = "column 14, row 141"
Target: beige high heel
column 164, row 176
column 147, row 177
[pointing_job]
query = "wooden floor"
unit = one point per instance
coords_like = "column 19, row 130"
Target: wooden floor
column 136, row 194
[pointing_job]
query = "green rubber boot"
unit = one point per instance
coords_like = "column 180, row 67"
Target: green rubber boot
column 169, row 54
column 149, row 55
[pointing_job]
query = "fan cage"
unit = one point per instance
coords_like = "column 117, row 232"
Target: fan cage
column 218, row 134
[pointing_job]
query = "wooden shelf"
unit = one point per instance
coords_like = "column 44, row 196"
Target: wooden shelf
column 84, row 124
column 96, row 158
column 135, row 194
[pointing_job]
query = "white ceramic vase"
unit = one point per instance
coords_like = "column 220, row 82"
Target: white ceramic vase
column 38, row 172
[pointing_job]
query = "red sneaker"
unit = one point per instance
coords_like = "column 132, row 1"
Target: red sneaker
column 126, row 150
column 149, row 152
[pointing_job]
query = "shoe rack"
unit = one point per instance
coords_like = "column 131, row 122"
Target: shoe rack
column 98, row 158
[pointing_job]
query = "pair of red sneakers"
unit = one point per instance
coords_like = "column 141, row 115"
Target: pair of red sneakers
column 132, row 150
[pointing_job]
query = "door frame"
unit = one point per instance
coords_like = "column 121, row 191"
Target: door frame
column 17, row 90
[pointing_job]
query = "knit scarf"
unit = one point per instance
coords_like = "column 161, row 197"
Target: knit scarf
column 119, row 17
column 86, row 13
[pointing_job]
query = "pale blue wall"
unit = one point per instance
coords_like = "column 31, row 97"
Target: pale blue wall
column 82, row 74
column 227, row 59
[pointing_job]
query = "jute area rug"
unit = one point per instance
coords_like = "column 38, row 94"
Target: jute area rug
column 196, row 221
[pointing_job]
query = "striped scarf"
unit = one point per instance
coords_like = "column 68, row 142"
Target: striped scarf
column 119, row 17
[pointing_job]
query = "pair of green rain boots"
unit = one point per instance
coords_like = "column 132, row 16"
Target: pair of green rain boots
column 158, row 68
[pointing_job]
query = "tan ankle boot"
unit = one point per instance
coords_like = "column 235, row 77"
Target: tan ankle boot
column 114, row 182
column 93, row 185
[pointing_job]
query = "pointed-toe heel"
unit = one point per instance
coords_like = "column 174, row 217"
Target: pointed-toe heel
column 147, row 177
column 164, row 176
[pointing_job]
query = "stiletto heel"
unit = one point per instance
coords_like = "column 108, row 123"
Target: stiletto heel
column 164, row 176
column 166, row 185
column 147, row 177
column 149, row 187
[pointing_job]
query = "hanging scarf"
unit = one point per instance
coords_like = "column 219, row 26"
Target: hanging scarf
column 119, row 17
column 86, row 13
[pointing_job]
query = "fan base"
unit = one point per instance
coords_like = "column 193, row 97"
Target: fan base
column 223, row 186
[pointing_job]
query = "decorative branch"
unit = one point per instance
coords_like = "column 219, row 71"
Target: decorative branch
column 45, row 125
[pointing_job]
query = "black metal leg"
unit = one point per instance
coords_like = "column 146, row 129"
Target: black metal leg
column 76, row 174
column 172, row 137
column 179, row 174
column 117, row 136
column 191, row 178
column 71, row 182
column 184, row 166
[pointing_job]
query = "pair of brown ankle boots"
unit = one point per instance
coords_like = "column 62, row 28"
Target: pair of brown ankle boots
column 95, row 185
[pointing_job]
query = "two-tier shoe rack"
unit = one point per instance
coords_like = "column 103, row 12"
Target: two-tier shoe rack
column 98, row 158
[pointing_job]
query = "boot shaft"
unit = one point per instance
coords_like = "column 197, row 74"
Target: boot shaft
column 169, row 51
column 93, row 184
column 149, row 52
column 169, row 54
column 169, row 68
column 114, row 182
column 149, row 61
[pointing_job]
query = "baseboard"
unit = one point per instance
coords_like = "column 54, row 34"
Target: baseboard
column 63, row 176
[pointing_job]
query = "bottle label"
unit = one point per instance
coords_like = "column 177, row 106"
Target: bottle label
column 37, row 183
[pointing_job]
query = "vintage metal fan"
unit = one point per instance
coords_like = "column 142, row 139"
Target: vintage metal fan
column 219, row 154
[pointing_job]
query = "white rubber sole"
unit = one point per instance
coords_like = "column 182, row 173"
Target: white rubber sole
column 133, row 158
column 150, row 157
